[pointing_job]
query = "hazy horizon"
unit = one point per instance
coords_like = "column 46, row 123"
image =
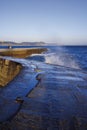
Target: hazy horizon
column 50, row 21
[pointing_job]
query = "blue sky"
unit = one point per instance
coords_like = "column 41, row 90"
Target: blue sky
column 59, row 21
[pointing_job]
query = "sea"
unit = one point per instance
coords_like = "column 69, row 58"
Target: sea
column 68, row 56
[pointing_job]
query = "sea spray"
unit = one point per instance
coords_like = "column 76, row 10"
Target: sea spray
column 61, row 57
column 61, row 60
column 57, row 56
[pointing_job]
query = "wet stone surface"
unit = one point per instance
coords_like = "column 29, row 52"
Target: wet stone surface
column 53, row 104
column 11, row 95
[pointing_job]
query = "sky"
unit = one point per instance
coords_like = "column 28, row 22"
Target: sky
column 51, row 21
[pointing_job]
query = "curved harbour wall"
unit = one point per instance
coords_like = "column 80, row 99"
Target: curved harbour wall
column 21, row 53
column 8, row 70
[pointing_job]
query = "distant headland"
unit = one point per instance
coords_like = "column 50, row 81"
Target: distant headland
column 10, row 43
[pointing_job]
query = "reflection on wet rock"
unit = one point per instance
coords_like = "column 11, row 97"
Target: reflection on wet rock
column 8, row 70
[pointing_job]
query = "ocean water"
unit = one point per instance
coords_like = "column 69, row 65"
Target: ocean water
column 68, row 56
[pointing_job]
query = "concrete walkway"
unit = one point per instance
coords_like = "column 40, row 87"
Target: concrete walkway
column 58, row 101
column 11, row 95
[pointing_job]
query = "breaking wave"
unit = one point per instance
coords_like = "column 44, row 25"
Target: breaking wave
column 58, row 56
column 61, row 57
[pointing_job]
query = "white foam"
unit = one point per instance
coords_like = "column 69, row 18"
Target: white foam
column 63, row 58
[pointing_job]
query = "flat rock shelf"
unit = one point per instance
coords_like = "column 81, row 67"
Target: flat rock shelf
column 48, row 98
